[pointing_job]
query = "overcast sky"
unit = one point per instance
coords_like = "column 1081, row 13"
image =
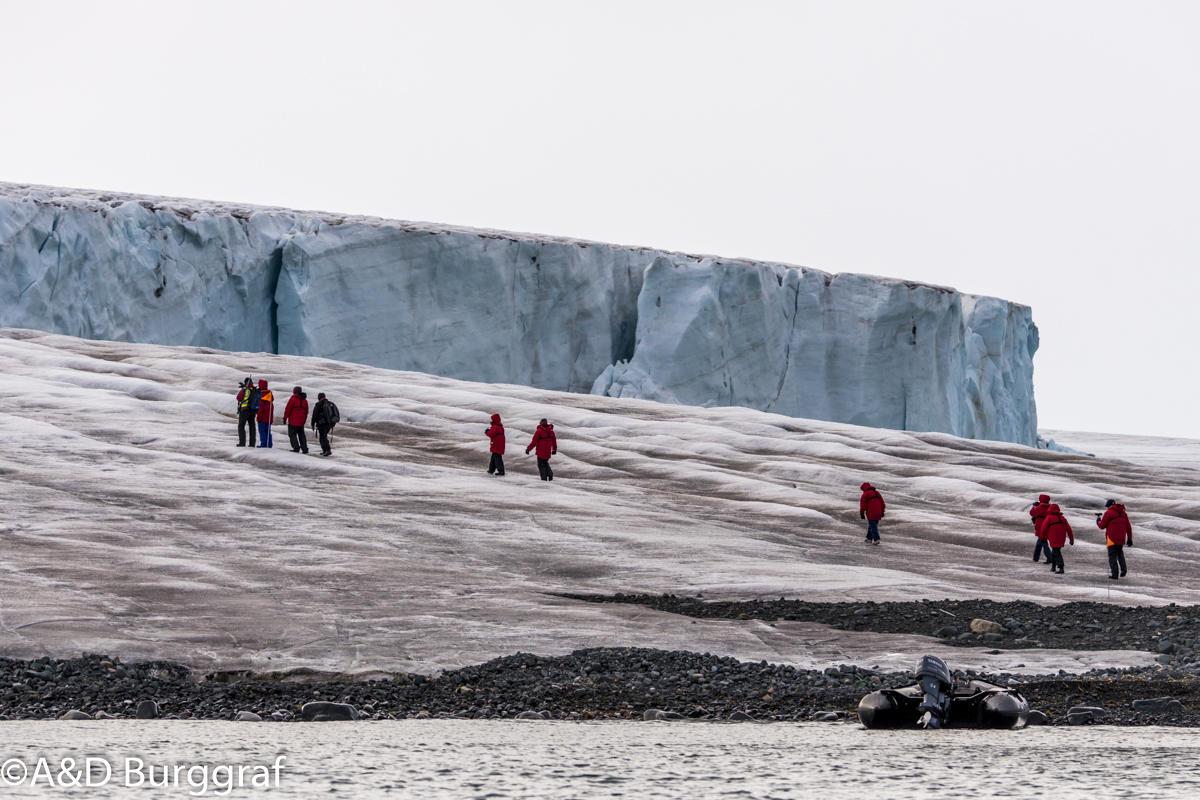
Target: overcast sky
column 1047, row 153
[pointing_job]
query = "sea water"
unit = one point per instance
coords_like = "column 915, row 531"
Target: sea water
column 511, row 759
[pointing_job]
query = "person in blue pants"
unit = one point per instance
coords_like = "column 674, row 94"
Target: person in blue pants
column 266, row 414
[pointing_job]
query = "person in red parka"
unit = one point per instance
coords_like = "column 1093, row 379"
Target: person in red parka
column 295, row 413
column 496, row 434
column 1037, row 514
column 1118, row 532
column 547, row 445
column 266, row 415
column 871, row 508
column 1056, row 530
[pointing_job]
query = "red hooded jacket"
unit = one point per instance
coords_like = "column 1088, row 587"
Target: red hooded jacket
column 545, row 442
column 1055, row 528
column 296, row 411
column 1038, row 513
column 496, row 434
column 266, row 403
column 871, row 503
column 1115, row 524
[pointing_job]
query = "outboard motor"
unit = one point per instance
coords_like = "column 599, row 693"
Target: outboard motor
column 933, row 676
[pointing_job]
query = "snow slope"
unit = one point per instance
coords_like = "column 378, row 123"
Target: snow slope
column 500, row 307
column 133, row 525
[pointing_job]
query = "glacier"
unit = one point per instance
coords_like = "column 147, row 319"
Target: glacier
column 134, row 526
column 497, row 307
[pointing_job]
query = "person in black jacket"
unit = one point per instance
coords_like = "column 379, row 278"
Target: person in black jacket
column 324, row 416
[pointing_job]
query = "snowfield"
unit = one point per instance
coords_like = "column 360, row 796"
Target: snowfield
column 133, row 526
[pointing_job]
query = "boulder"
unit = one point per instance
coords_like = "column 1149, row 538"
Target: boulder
column 1166, row 646
column 322, row 711
column 1037, row 718
column 948, row 632
column 740, row 716
column 147, row 709
column 1160, row 705
column 1081, row 715
column 985, row 626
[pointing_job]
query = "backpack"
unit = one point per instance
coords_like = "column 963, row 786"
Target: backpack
column 329, row 412
column 249, row 400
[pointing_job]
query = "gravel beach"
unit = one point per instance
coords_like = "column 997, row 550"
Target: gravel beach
column 597, row 683
column 1172, row 631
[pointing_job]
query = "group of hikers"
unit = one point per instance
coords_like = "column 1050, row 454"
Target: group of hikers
column 256, row 404
column 1050, row 527
column 544, row 441
column 1053, row 531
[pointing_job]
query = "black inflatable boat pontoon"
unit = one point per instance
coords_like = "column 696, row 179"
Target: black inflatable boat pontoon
column 938, row 701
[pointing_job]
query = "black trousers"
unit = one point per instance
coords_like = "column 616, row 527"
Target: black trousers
column 544, row 469
column 297, row 437
column 496, row 465
column 246, row 419
column 1056, row 558
column 323, row 436
column 1116, row 557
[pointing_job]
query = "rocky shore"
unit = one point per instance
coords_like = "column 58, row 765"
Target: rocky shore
column 611, row 683
column 1172, row 632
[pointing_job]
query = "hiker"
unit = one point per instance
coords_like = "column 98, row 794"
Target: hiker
column 871, row 508
column 1118, row 532
column 1056, row 531
column 247, row 406
column 266, row 414
column 1037, row 514
column 496, row 433
column 325, row 415
column 547, row 445
column 295, row 414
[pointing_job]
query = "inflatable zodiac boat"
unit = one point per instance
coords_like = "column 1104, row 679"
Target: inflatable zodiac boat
column 936, row 700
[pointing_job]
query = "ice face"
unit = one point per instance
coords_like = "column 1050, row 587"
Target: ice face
column 500, row 307
column 844, row 348
column 134, row 526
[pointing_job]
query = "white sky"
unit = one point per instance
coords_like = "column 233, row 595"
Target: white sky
column 1047, row 153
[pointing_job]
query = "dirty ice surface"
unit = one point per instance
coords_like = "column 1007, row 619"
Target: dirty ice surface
column 132, row 525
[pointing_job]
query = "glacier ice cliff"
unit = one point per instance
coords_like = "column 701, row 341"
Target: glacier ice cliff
column 842, row 348
column 499, row 307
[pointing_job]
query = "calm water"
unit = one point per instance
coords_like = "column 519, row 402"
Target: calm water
column 460, row 759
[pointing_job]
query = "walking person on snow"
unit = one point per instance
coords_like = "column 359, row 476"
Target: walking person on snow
column 1118, row 532
column 325, row 415
column 1038, row 513
column 547, row 445
column 295, row 414
column 871, row 508
column 247, row 406
column 266, row 414
column 1056, row 530
column 495, row 432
